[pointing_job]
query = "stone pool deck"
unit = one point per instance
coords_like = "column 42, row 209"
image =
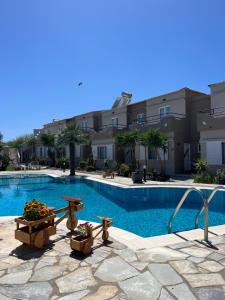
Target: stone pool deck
column 183, row 271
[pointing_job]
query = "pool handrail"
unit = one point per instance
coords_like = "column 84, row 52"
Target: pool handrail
column 214, row 191
column 183, row 198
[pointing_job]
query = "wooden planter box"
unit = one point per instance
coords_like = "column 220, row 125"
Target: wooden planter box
column 83, row 246
column 35, row 233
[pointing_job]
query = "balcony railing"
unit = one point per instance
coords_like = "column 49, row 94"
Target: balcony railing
column 215, row 112
column 155, row 119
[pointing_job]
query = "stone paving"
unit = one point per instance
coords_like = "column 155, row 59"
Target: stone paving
column 184, row 271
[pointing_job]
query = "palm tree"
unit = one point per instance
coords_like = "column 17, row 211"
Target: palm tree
column 1, row 141
column 129, row 139
column 18, row 143
column 155, row 139
column 48, row 141
column 143, row 138
column 72, row 135
column 30, row 144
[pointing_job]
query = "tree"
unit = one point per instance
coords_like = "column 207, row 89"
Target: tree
column 48, row 141
column 155, row 139
column 129, row 139
column 18, row 143
column 30, row 144
column 1, row 141
column 72, row 135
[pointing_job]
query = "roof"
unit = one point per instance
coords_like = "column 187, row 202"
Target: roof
column 217, row 83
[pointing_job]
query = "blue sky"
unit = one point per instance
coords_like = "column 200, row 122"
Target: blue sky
column 147, row 47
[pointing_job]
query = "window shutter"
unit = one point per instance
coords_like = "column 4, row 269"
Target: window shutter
column 94, row 152
column 109, row 152
column 78, row 150
column 214, row 152
column 142, row 152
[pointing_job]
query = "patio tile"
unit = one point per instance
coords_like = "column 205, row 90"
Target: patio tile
column 184, row 266
column 165, row 295
column 103, row 293
column 196, row 251
column 46, row 261
column 161, row 254
column 16, row 278
column 75, row 296
column 181, row 292
column 29, row 291
column 202, row 280
column 48, row 273
column 211, row 266
column 78, row 280
column 212, row 293
column 115, row 269
column 195, row 259
column 143, row 286
column 127, row 254
column 165, row 274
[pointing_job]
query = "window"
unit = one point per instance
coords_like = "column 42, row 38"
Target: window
column 115, row 122
column 41, row 151
column 101, row 152
column 223, row 152
column 140, row 118
column 152, row 154
column 83, row 125
column 164, row 111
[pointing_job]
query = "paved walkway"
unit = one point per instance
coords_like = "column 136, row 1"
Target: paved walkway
column 183, row 271
column 182, row 181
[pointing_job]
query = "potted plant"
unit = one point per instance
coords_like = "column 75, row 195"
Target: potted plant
column 83, row 239
column 137, row 176
column 38, row 221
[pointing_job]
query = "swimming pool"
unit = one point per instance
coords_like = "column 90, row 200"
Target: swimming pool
column 143, row 211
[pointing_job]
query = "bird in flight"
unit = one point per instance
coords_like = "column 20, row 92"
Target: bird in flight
column 80, row 83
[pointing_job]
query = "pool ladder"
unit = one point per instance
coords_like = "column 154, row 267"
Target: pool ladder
column 204, row 208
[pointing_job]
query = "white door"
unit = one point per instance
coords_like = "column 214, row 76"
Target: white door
column 187, row 157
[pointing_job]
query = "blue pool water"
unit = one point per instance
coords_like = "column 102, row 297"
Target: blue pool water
column 143, row 211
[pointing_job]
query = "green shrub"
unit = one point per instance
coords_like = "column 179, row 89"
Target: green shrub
column 124, row 170
column 203, row 178
column 220, row 176
column 62, row 162
column 201, row 166
column 83, row 164
column 4, row 162
column 11, row 168
column 90, row 168
column 42, row 161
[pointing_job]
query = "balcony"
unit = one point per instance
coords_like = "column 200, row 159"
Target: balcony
column 107, row 131
column 166, row 123
column 211, row 119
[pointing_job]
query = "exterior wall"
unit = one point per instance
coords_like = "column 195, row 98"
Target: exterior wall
column 134, row 109
column 111, row 151
column 55, row 127
column 120, row 112
column 175, row 100
column 89, row 118
column 217, row 137
column 157, row 164
column 218, row 97
column 211, row 126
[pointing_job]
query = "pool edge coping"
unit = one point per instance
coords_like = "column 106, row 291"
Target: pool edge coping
column 136, row 242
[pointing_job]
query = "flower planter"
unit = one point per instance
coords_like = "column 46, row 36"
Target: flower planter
column 81, row 245
column 35, row 233
column 137, row 176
